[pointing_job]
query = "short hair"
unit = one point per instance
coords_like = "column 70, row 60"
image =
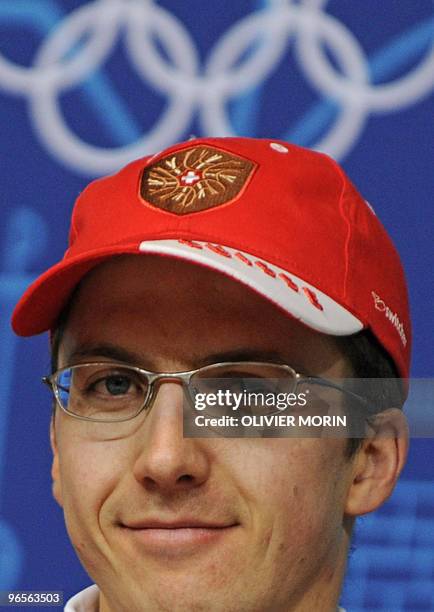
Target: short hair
column 369, row 360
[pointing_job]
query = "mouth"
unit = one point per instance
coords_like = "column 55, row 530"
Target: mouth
column 180, row 537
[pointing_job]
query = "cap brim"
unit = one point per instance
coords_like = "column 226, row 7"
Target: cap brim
column 40, row 306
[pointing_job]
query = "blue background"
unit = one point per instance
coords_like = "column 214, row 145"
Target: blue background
column 392, row 563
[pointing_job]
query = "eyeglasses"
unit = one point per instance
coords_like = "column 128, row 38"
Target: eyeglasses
column 114, row 392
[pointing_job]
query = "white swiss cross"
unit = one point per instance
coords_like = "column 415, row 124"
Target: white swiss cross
column 190, row 178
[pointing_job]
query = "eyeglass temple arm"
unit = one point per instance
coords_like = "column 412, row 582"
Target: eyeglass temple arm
column 47, row 381
column 328, row 383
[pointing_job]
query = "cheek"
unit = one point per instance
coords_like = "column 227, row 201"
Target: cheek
column 89, row 472
column 296, row 490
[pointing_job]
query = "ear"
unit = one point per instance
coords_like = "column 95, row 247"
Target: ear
column 55, row 471
column 378, row 462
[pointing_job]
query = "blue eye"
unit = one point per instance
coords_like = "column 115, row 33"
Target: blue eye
column 117, row 385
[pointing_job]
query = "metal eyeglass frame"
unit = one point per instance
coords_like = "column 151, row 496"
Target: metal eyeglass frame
column 185, row 377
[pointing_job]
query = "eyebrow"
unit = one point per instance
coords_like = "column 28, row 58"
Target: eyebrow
column 118, row 353
column 245, row 354
column 106, row 350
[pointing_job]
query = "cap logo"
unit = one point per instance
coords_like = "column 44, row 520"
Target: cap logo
column 195, row 179
column 390, row 315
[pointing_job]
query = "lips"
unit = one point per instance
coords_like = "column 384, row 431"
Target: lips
column 177, row 524
column 177, row 538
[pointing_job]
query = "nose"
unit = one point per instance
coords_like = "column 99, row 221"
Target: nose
column 167, row 461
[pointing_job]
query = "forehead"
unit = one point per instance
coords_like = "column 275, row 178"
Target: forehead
column 171, row 307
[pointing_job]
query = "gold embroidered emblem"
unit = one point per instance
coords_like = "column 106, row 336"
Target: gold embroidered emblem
column 194, row 179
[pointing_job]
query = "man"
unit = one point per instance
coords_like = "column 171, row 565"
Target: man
column 249, row 253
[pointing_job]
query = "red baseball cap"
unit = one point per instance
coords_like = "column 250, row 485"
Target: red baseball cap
column 283, row 220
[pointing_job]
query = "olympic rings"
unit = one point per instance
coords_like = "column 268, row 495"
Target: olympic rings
column 244, row 58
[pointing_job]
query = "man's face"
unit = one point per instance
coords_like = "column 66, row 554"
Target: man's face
column 166, row 523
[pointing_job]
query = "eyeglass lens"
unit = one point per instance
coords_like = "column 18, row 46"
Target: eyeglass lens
column 111, row 392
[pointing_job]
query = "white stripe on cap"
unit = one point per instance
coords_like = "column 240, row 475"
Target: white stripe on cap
column 294, row 295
